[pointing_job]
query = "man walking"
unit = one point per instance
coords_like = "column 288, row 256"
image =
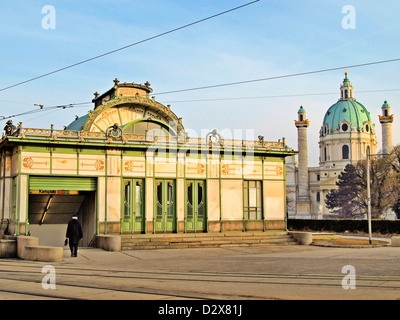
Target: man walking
column 74, row 234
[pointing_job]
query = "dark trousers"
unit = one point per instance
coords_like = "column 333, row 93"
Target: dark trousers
column 74, row 249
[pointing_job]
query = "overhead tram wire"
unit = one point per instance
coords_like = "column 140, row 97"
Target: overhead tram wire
column 242, row 82
column 128, row 46
column 44, row 109
column 81, row 104
column 277, row 96
column 280, row 77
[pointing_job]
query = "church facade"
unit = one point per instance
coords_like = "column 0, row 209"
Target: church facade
column 128, row 166
column 347, row 135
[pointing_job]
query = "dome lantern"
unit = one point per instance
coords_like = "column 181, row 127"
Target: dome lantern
column 349, row 111
column 301, row 120
column 346, row 89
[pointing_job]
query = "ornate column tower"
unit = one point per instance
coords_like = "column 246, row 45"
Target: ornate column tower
column 386, row 119
column 303, row 197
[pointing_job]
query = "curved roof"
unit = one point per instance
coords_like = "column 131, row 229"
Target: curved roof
column 123, row 103
column 349, row 110
column 77, row 124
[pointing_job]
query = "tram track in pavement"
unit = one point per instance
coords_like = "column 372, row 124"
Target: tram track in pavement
column 20, row 294
column 164, row 283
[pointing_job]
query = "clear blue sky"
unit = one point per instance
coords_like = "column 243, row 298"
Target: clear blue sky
column 268, row 38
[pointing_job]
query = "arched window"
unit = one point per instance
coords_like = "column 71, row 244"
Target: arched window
column 386, row 113
column 301, row 118
column 325, row 154
column 345, row 152
column 346, row 94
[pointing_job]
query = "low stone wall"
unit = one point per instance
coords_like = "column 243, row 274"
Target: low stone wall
column 43, row 253
column 395, row 241
column 28, row 249
column 23, row 242
column 108, row 242
column 8, row 248
column 303, row 238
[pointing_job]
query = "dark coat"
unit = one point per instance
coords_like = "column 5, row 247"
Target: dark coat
column 74, row 231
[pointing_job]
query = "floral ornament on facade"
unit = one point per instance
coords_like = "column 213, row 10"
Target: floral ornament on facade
column 214, row 137
column 114, row 131
column 9, row 128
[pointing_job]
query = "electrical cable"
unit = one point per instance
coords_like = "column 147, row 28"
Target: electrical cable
column 280, row 77
column 41, row 110
column 80, row 104
column 277, row 96
column 239, row 82
column 128, row 46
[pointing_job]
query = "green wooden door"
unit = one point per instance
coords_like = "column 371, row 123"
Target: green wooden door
column 195, row 220
column 165, row 206
column 133, row 220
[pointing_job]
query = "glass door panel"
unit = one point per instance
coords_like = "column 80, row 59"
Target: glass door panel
column 165, row 215
column 195, row 219
column 133, row 220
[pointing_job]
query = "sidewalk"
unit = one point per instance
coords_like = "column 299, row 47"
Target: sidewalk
column 235, row 273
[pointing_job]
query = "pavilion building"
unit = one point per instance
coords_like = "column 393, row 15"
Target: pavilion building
column 128, row 166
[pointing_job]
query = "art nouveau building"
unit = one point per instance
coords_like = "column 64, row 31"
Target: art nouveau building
column 347, row 134
column 129, row 167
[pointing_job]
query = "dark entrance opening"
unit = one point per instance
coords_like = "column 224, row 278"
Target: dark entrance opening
column 48, row 216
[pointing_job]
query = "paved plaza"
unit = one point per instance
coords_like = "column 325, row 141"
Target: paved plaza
column 235, row 273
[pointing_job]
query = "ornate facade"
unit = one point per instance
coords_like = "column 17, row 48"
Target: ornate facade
column 347, row 135
column 128, row 166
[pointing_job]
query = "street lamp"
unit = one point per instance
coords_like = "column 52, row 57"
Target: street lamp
column 369, row 192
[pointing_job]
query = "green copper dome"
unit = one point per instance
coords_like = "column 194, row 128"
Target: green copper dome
column 353, row 112
column 301, row 110
column 385, row 105
column 347, row 113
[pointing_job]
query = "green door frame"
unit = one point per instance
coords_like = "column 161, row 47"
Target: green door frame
column 165, row 206
column 133, row 218
column 195, row 206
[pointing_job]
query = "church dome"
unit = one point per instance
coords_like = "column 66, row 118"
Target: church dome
column 347, row 114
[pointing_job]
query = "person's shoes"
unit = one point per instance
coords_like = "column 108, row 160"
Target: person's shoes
column 72, row 254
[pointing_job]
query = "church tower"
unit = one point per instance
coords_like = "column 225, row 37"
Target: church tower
column 303, row 199
column 346, row 136
column 386, row 119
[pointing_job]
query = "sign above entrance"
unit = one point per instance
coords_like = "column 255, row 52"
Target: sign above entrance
column 54, row 183
column 68, row 192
